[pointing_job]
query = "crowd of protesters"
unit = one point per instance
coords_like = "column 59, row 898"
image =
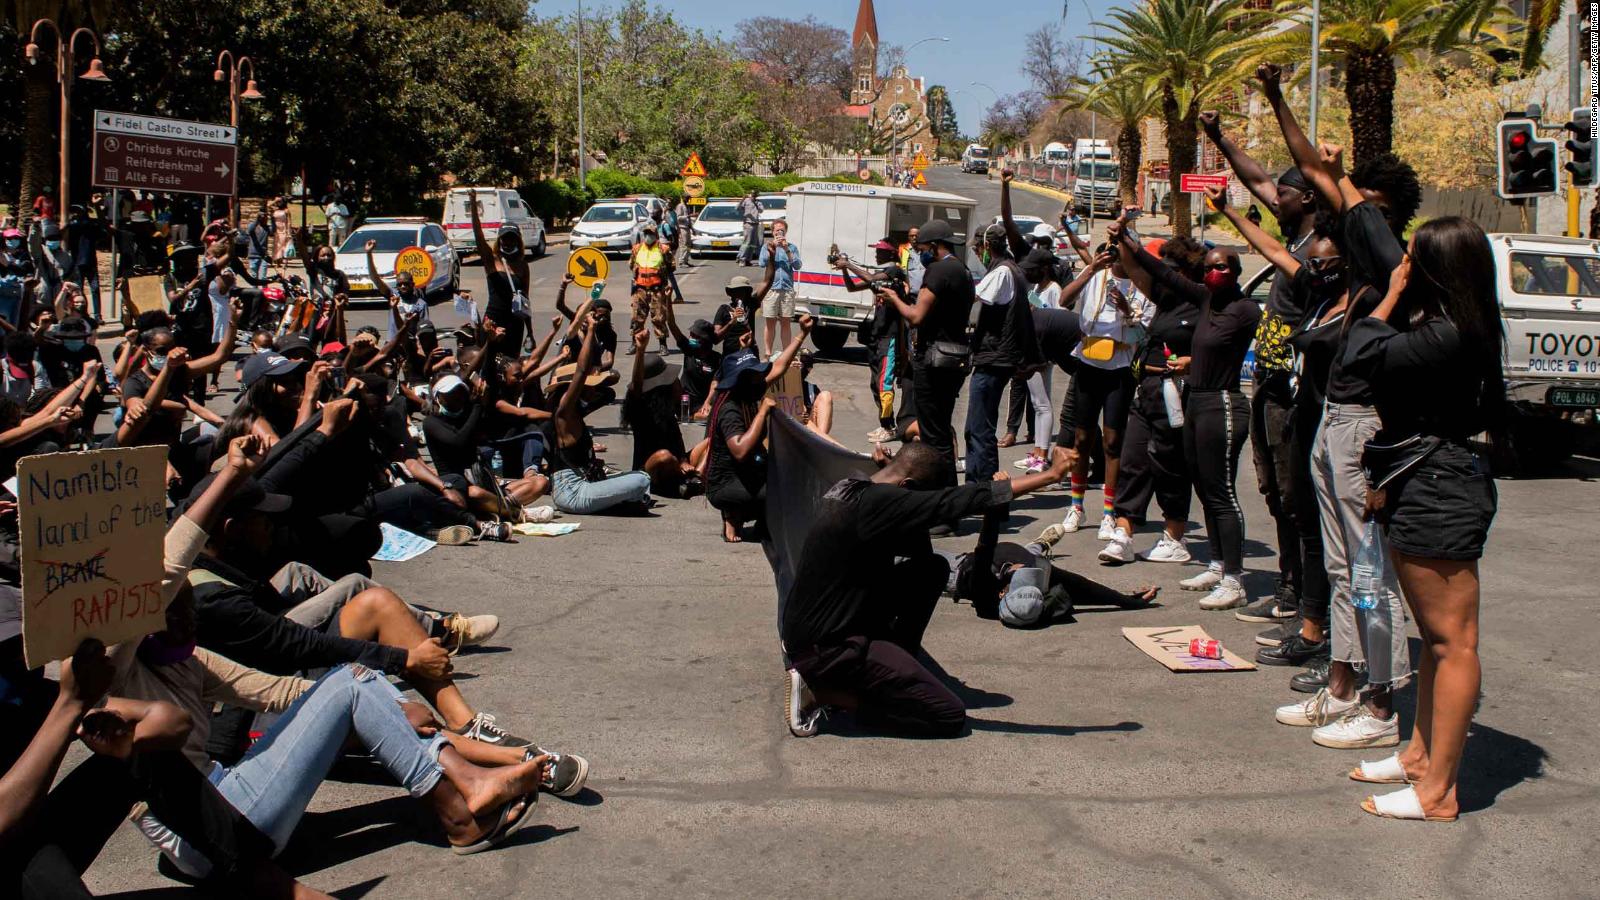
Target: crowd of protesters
column 1376, row 367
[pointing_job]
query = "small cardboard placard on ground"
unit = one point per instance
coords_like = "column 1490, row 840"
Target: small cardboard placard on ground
column 694, row 186
column 587, row 265
column 1170, row 647
column 920, row 162
column 91, row 528
column 694, row 167
column 1192, row 183
column 418, row 262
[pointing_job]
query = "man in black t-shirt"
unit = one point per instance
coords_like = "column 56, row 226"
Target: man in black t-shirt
column 940, row 354
column 866, row 583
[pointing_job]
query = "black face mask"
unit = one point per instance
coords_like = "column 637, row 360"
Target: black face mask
column 1328, row 282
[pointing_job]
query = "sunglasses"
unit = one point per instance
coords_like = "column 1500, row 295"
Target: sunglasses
column 1220, row 267
column 1324, row 262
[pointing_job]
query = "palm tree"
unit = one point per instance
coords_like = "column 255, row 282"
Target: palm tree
column 1128, row 102
column 1186, row 53
column 39, row 138
column 1368, row 39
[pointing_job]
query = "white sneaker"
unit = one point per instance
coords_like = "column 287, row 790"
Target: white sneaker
column 801, row 713
column 1322, row 708
column 1108, row 528
column 1205, row 581
column 1119, row 549
column 1074, row 519
column 1167, row 550
column 1037, row 464
column 880, row 435
column 1360, row 730
column 1226, row 595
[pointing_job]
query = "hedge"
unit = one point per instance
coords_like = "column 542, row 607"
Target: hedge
column 559, row 200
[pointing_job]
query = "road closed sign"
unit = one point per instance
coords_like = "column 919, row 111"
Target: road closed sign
column 416, row 261
column 91, row 528
column 587, row 265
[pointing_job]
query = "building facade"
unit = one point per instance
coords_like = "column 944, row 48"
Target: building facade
column 893, row 107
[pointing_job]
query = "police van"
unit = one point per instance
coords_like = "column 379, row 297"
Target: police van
column 827, row 217
column 1549, row 290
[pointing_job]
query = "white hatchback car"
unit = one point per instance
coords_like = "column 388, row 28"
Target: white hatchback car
column 610, row 226
column 773, row 208
column 718, row 229
column 393, row 235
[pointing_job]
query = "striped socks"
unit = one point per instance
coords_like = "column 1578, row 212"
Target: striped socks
column 1075, row 493
column 1110, row 499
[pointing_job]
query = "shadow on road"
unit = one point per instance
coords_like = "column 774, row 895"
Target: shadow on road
column 1032, row 728
column 1494, row 762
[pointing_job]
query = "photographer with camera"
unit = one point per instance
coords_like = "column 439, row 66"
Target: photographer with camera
column 883, row 332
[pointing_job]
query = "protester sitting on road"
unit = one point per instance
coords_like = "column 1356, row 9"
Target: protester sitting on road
column 736, row 474
column 22, row 373
column 1017, row 583
column 883, row 332
column 189, row 452
column 866, row 583
column 818, row 403
column 651, row 408
column 701, row 362
column 732, row 322
column 453, row 433
column 578, row 480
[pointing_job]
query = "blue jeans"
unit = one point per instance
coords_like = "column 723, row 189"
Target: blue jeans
column 573, row 494
column 983, row 417
column 275, row 781
column 260, row 267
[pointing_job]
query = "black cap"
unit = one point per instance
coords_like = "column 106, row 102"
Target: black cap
column 601, row 303
column 939, row 230
column 703, row 332
column 270, row 365
column 294, row 346
column 73, row 327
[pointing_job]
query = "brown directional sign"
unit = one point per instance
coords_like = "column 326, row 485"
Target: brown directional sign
column 154, row 154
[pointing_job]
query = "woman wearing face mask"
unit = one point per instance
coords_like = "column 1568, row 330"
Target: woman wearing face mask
column 54, row 264
column 1328, row 623
column 1216, row 417
column 1153, row 463
column 505, row 266
column 736, row 475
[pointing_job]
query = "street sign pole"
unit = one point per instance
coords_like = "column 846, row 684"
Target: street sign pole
column 116, row 294
column 583, row 184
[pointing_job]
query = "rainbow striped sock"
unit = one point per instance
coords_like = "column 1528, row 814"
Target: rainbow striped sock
column 1110, row 500
column 1075, row 493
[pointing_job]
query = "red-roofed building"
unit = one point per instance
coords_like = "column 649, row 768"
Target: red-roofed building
column 896, row 107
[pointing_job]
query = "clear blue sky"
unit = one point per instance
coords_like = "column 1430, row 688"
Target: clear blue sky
column 985, row 40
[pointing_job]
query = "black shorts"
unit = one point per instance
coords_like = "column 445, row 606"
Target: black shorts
column 1442, row 510
column 1102, row 390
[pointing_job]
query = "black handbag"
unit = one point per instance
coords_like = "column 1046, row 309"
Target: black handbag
column 948, row 355
column 1383, row 463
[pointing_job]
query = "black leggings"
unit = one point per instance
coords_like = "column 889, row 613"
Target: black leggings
column 1153, row 460
column 1215, row 426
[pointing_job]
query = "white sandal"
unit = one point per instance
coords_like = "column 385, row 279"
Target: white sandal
column 1401, row 804
column 1385, row 771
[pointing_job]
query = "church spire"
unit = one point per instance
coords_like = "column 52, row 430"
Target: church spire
column 866, row 25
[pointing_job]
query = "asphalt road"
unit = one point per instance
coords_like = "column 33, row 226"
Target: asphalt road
column 649, row 646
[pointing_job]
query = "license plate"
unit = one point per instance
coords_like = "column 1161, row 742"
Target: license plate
column 722, row 243
column 1574, row 398
column 360, row 284
column 840, row 312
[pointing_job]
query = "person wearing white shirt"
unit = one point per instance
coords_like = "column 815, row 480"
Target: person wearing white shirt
column 1113, row 314
column 1003, row 344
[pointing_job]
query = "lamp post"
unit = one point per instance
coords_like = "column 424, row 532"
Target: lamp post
column 231, row 75
column 1094, row 123
column 1316, row 64
column 66, row 73
column 583, row 184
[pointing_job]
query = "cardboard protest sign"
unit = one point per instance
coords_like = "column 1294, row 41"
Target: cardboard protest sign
column 1170, row 647
column 789, row 392
column 91, row 528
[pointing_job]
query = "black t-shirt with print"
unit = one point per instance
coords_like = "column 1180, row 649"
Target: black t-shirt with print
column 1284, row 310
column 698, row 373
column 953, row 297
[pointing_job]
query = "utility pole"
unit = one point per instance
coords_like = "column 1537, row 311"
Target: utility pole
column 583, row 178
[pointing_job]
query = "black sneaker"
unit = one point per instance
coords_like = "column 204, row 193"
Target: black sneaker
column 1264, row 610
column 1296, row 651
column 1314, row 678
column 1279, row 633
column 483, row 729
column 566, row 773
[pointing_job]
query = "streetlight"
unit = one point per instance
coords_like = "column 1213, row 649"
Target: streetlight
column 1316, row 63
column 1094, row 161
column 583, row 184
column 924, row 41
column 231, row 75
column 66, row 72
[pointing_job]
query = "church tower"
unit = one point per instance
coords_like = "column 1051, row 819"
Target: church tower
column 864, row 42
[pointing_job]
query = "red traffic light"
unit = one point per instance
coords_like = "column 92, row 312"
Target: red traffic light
column 1518, row 140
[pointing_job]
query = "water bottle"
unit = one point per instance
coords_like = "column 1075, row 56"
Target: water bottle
column 683, row 408
column 495, row 463
column 1367, row 570
column 1172, row 395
